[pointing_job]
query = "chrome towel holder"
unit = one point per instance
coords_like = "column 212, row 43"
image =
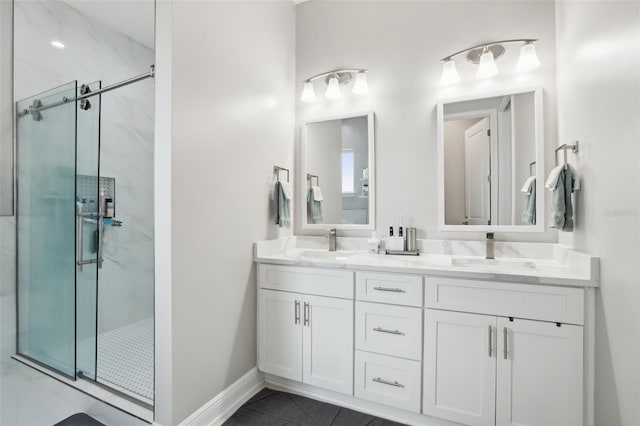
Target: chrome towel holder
column 277, row 170
column 565, row 147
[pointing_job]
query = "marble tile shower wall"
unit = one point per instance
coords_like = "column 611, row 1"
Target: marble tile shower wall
column 96, row 52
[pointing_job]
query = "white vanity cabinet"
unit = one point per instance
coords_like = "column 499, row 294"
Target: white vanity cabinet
column 427, row 349
column 306, row 337
column 501, row 369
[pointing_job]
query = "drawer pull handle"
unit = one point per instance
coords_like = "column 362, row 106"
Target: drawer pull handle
column 386, row 382
column 490, row 342
column 306, row 314
column 506, row 341
column 296, row 312
column 384, row 330
column 394, row 290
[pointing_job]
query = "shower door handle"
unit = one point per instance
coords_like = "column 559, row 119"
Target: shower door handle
column 81, row 218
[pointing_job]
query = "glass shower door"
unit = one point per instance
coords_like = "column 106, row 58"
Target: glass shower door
column 59, row 229
column 46, row 175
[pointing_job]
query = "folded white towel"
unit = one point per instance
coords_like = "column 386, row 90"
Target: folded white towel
column 286, row 189
column 526, row 188
column 317, row 193
column 552, row 180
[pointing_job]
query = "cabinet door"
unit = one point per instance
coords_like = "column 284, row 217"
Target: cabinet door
column 328, row 343
column 280, row 333
column 539, row 375
column 460, row 367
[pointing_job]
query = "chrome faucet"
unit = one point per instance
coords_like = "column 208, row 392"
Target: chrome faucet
column 490, row 241
column 332, row 235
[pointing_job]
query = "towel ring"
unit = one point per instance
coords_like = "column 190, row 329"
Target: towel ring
column 564, row 147
column 310, row 179
column 531, row 164
column 277, row 170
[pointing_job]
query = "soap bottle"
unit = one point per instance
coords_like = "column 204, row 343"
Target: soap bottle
column 374, row 244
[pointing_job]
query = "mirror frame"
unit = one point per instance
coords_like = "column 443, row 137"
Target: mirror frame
column 372, row 176
column 540, row 168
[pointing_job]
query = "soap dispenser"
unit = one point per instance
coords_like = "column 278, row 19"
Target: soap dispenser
column 374, row 244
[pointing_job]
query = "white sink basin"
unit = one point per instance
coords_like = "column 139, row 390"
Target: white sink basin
column 493, row 264
column 328, row 255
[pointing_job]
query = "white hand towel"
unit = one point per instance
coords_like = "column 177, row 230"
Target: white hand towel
column 526, row 188
column 317, row 193
column 552, row 180
column 286, row 189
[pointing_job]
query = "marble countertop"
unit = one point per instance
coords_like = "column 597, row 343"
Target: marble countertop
column 528, row 264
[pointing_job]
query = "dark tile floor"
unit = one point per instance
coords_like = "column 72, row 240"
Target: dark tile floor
column 273, row 408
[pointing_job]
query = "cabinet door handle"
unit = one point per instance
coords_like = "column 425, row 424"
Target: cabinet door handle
column 296, row 312
column 386, row 382
column 506, row 341
column 384, row 330
column 306, row 313
column 490, row 341
column 394, row 290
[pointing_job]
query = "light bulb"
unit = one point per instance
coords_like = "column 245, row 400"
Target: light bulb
column 528, row 58
column 487, row 66
column 333, row 89
column 308, row 93
column 449, row 73
column 361, row 87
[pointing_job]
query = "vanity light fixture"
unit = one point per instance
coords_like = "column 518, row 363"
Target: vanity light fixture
column 308, row 93
column 334, row 80
column 333, row 88
column 528, row 59
column 485, row 56
column 487, row 67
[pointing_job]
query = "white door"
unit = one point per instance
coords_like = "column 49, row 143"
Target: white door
column 280, row 333
column 328, row 343
column 460, row 367
column 539, row 379
column 477, row 168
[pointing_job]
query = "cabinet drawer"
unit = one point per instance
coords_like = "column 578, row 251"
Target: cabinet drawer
column 320, row 282
column 387, row 380
column 396, row 289
column 389, row 330
column 545, row 303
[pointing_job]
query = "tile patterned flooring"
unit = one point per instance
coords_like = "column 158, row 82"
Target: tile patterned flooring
column 272, row 408
column 125, row 359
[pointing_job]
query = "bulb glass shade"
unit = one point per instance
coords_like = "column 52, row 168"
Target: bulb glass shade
column 361, row 87
column 528, row 58
column 487, row 67
column 308, row 93
column 333, row 89
column 449, row 73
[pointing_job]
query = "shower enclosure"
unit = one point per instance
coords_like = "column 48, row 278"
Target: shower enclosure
column 74, row 236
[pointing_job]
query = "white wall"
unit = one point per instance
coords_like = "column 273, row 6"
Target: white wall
column 401, row 43
column 233, row 117
column 599, row 105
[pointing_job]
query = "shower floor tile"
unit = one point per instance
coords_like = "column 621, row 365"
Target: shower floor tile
column 125, row 359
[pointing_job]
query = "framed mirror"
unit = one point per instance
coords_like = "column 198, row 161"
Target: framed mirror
column 338, row 172
column 491, row 162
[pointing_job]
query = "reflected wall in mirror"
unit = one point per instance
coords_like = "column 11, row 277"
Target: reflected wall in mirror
column 491, row 161
column 338, row 172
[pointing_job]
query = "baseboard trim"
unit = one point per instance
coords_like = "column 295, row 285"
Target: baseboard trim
column 353, row 403
column 222, row 406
